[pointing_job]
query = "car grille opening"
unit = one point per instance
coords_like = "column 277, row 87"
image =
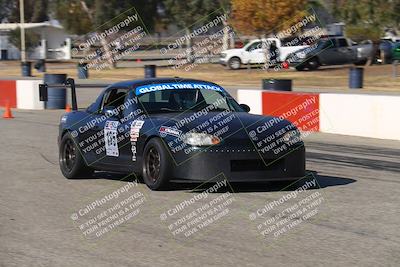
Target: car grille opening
column 257, row 165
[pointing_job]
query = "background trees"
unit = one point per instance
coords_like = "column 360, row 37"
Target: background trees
column 35, row 10
column 191, row 13
column 83, row 17
column 367, row 19
column 249, row 17
column 263, row 17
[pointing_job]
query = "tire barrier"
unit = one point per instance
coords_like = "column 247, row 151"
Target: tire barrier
column 26, row 69
column 356, row 76
column 277, row 84
column 150, row 71
column 83, row 72
column 57, row 97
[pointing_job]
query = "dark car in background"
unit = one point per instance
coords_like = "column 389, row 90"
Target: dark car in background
column 385, row 52
column 396, row 51
column 330, row 51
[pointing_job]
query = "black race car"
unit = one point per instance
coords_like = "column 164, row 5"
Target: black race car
column 167, row 129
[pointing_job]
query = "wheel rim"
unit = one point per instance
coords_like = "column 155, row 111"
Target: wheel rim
column 313, row 64
column 153, row 164
column 69, row 155
column 235, row 64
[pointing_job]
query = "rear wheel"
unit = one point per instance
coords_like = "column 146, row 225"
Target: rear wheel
column 157, row 165
column 72, row 164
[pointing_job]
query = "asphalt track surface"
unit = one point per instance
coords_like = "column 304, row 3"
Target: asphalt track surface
column 356, row 224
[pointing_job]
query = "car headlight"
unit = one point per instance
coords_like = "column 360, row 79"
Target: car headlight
column 223, row 55
column 200, row 139
column 292, row 137
column 301, row 55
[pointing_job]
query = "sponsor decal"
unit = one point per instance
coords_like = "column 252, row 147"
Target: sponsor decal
column 134, row 134
column 175, row 86
column 110, row 138
column 165, row 130
column 137, row 124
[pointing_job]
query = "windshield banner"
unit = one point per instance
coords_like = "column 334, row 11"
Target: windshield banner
column 171, row 86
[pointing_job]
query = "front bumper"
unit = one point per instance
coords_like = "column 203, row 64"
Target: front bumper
column 297, row 62
column 242, row 166
column 222, row 61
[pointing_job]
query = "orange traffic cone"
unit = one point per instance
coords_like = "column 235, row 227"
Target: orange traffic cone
column 7, row 112
column 67, row 108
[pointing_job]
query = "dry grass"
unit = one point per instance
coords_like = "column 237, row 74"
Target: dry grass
column 376, row 78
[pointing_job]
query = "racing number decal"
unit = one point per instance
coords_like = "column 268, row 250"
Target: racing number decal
column 110, row 138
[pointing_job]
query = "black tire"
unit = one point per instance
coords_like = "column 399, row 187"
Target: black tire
column 313, row 64
column 234, row 63
column 361, row 62
column 157, row 165
column 72, row 163
column 300, row 67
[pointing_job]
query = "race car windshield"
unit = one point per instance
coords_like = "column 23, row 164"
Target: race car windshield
column 165, row 101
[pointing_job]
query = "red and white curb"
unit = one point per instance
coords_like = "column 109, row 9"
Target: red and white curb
column 375, row 116
column 21, row 94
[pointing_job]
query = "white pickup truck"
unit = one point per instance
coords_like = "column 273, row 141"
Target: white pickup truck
column 255, row 52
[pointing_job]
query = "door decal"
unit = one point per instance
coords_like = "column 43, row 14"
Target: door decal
column 134, row 133
column 110, row 138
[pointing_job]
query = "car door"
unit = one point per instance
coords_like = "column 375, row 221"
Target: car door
column 256, row 53
column 130, row 128
column 84, row 132
column 331, row 55
column 108, row 129
column 345, row 51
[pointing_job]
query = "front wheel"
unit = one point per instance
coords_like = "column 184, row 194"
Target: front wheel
column 234, row 63
column 157, row 165
column 361, row 62
column 313, row 64
column 72, row 163
column 300, row 67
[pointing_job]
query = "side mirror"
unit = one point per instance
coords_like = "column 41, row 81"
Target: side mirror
column 110, row 112
column 43, row 96
column 245, row 107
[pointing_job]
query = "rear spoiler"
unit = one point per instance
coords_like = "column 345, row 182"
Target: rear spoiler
column 43, row 92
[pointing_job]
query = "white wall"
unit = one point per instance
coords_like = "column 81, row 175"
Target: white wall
column 252, row 98
column 28, row 94
column 373, row 116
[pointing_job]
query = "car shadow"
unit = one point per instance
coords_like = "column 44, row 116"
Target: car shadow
column 333, row 68
column 114, row 176
column 322, row 181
